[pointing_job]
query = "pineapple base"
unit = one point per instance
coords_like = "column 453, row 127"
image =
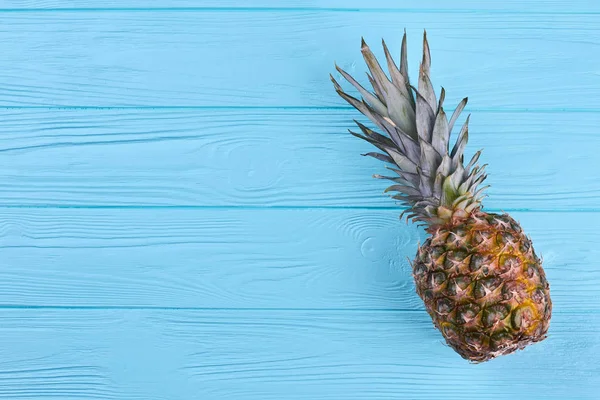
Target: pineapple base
column 483, row 286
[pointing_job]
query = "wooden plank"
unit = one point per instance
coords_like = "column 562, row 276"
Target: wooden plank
column 161, row 58
column 231, row 258
column 546, row 6
column 141, row 354
column 271, row 158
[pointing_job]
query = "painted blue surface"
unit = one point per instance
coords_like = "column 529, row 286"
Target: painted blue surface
column 183, row 215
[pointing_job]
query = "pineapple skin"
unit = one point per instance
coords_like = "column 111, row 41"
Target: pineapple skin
column 483, row 286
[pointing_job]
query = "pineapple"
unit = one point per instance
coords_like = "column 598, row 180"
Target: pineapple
column 477, row 273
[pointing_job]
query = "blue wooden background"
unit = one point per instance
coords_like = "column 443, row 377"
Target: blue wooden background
column 183, row 215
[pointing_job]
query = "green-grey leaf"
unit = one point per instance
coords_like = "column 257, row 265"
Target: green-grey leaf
column 441, row 134
column 404, row 68
column 373, row 65
column 461, row 142
column 449, row 193
column 411, row 148
column 359, row 105
column 437, row 185
column 374, row 142
column 425, row 183
column 383, row 139
column 377, row 88
column 426, row 89
column 379, row 120
column 430, row 159
column 472, row 206
column 444, row 167
column 458, row 176
column 480, row 191
column 473, row 160
column 426, row 54
column 410, row 177
column 398, row 179
column 380, row 157
column 442, row 98
column 368, row 96
column 456, row 113
column 400, row 110
column 397, row 78
column 425, row 118
column 402, row 161
column 403, row 189
column 462, row 204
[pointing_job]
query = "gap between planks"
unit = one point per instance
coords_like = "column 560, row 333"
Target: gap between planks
column 293, row 9
column 266, row 208
column 249, row 309
column 292, row 108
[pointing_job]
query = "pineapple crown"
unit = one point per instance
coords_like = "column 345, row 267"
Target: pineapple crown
column 431, row 180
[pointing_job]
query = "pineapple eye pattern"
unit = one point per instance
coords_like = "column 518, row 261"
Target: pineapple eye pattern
column 498, row 302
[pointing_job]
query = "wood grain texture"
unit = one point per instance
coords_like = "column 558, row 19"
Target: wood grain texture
column 270, row 58
column 160, row 355
column 441, row 6
column 332, row 259
column 199, row 225
column 271, row 158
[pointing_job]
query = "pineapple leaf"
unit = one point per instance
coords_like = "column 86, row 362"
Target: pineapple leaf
column 437, row 185
column 473, row 160
column 374, row 142
column 425, row 86
column 461, row 205
column 363, row 108
column 472, row 206
column 412, row 148
column 425, row 118
column 441, row 134
column 373, row 65
column 414, row 138
column 400, row 110
column 468, row 185
column 479, row 192
column 460, row 199
column 384, row 123
column 368, row 96
column 461, row 142
column 376, row 136
column 410, row 191
column 378, row 89
column 430, row 159
column 358, row 104
column 397, row 79
column 442, row 172
column 456, row 113
column 444, row 167
column 442, row 98
column 458, row 176
column 396, row 179
column 402, row 161
column 380, row 157
column 424, row 183
column 480, row 178
column 410, row 177
column 426, row 63
column 451, row 184
column 404, row 141
column 426, row 89
column 404, row 68
column 448, row 192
